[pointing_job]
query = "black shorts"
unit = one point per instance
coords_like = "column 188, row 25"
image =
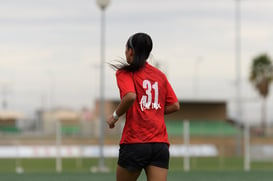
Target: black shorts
column 138, row 156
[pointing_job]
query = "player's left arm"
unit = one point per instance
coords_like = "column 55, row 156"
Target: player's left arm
column 126, row 102
column 172, row 108
column 172, row 103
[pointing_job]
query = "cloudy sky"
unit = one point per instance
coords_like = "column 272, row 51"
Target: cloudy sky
column 49, row 49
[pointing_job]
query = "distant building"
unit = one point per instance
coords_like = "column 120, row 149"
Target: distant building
column 189, row 109
column 72, row 122
column 200, row 110
column 8, row 121
column 203, row 110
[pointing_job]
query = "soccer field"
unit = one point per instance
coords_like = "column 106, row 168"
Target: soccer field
column 173, row 176
column 202, row 169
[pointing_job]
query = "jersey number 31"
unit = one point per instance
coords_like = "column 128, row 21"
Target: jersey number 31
column 151, row 92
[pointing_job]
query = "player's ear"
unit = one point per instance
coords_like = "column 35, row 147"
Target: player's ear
column 131, row 52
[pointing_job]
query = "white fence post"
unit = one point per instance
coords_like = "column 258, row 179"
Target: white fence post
column 58, row 146
column 18, row 166
column 247, row 148
column 187, row 144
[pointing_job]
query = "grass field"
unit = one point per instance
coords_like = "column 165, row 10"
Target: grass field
column 173, row 176
column 84, row 165
column 202, row 169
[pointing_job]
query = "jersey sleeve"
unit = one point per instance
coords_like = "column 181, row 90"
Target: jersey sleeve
column 171, row 96
column 125, row 82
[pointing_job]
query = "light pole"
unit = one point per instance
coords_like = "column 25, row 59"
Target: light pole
column 5, row 91
column 102, row 5
column 52, row 88
column 239, row 90
column 238, row 71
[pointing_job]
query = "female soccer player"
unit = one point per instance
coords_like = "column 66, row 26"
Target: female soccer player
column 146, row 95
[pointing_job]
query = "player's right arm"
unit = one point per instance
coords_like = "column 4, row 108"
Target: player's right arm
column 127, row 94
column 126, row 102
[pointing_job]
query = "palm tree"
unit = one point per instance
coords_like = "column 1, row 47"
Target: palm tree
column 261, row 75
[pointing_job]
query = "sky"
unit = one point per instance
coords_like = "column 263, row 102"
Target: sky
column 50, row 49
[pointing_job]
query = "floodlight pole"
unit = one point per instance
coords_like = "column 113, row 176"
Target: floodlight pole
column 238, row 72
column 102, row 5
column 5, row 91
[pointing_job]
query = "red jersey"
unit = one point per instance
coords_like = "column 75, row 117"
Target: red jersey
column 145, row 118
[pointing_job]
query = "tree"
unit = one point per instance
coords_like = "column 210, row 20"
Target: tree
column 261, row 75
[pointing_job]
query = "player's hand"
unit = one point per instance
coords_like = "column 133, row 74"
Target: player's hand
column 111, row 122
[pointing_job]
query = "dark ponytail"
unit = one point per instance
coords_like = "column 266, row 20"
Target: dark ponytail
column 141, row 44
